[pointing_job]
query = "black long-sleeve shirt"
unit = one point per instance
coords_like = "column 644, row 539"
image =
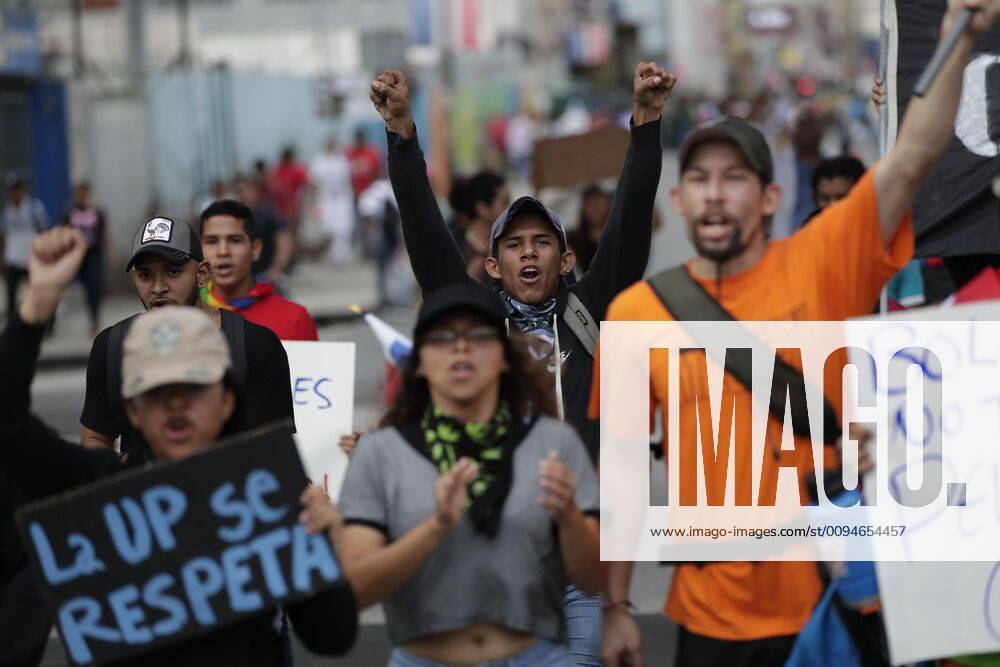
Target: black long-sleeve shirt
column 619, row 262
column 42, row 464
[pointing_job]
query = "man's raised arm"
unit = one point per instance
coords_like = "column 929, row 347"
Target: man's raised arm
column 929, row 122
column 433, row 251
column 624, row 248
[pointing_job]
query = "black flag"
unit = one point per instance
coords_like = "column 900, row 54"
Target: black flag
column 955, row 212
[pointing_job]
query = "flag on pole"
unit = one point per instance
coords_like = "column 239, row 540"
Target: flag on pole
column 395, row 348
column 954, row 213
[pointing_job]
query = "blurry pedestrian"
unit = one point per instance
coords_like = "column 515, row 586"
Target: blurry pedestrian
column 726, row 196
column 261, row 178
column 439, row 504
column 182, row 378
column 277, row 245
column 520, row 142
column 330, row 177
column 379, row 211
column 287, row 185
column 833, row 179
column 23, row 217
column 167, row 268
column 219, row 190
column 807, row 135
column 90, row 220
column 230, row 244
column 485, row 197
column 366, row 163
column 595, row 206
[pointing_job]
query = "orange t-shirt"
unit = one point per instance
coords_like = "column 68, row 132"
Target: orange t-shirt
column 832, row 269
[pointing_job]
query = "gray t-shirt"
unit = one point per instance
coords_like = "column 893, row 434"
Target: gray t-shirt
column 514, row 579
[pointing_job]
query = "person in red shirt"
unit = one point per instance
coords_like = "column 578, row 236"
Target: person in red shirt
column 365, row 161
column 288, row 183
column 231, row 244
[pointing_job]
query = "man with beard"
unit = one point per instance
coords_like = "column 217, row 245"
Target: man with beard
column 742, row 613
column 529, row 263
column 168, row 270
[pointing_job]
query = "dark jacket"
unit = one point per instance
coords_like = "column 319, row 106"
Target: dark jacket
column 619, row 262
column 266, row 393
column 42, row 464
column 24, row 625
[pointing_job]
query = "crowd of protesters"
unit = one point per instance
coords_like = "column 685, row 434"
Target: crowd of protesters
column 471, row 512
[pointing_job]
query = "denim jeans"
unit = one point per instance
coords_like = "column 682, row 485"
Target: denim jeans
column 584, row 625
column 541, row 654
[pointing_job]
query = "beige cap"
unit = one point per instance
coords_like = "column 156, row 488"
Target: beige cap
column 172, row 345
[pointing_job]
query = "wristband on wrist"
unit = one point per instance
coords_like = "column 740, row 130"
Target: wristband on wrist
column 624, row 603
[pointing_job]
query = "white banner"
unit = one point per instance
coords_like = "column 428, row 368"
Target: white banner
column 322, row 377
column 945, row 609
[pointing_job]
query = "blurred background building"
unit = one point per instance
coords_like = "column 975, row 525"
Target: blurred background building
column 154, row 100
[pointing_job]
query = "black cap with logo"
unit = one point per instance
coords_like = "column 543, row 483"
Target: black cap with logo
column 748, row 139
column 174, row 240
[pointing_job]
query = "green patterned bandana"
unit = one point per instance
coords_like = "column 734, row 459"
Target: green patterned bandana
column 447, row 441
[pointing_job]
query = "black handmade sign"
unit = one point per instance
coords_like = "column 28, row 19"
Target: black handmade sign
column 159, row 555
column 955, row 212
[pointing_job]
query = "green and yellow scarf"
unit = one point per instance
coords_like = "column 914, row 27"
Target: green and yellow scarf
column 447, row 441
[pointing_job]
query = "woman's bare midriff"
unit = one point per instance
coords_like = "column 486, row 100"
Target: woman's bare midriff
column 477, row 643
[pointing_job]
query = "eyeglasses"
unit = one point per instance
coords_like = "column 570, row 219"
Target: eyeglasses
column 475, row 336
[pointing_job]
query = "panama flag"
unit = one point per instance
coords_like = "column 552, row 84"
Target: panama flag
column 395, row 347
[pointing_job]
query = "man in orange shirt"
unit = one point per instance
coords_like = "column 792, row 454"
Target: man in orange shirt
column 744, row 613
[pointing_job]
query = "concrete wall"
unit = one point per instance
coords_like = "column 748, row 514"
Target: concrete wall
column 211, row 124
column 109, row 145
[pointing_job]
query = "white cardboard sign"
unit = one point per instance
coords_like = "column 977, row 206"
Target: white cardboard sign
column 322, row 377
column 946, row 609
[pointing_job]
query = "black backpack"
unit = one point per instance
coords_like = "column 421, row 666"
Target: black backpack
column 582, row 323
column 234, row 330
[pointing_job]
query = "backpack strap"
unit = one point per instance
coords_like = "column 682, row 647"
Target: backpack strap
column 234, row 329
column 686, row 299
column 116, row 340
column 581, row 323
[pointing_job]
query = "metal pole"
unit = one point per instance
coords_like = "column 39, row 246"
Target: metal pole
column 184, row 58
column 883, row 114
column 78, row 60
column 135, row 30
column 942, row 53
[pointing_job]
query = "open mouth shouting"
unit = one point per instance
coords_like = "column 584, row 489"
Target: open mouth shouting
column 178, row 429
column 461, row 370
column 716, row 228
column 530, row 275
column 222, row 270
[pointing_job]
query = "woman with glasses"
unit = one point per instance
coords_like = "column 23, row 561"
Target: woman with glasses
column 472, row 508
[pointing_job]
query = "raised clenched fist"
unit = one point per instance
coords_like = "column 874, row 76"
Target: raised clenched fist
column 55, row 260
column 652, row 86
column 390, row 94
